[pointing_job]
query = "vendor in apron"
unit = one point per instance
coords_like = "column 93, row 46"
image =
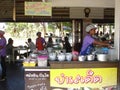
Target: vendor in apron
column 89, row 41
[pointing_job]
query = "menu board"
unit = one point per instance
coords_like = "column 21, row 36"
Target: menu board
column 37, row 79
column 38, row 8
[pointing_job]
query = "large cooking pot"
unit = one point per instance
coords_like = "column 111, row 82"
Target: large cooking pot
column 102, row 57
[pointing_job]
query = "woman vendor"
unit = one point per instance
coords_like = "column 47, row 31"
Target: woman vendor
column 89, row 41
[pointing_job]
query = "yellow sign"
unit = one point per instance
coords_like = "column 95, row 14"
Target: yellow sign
column 38, row 8
column 83, row 77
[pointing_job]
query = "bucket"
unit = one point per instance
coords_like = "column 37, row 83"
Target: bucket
column 42, row 61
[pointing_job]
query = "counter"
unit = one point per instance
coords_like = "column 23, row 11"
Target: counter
column 62, row 74
column 105, row 69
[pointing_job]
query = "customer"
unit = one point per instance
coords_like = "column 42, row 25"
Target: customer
column 3, row 54
column 50, row 42
column 40, row 42
column 31, row 45
column 89, row 41
column 9, row 49
column 66, row 45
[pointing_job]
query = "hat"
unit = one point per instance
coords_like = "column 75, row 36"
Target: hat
column 89, row 27
column 2, row 32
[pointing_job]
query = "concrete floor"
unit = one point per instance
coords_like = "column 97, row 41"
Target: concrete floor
column 15, row 77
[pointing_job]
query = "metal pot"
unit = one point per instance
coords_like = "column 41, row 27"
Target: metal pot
column 61, row 57
column 90, row 57
column 81, row 58
column 52, row 56
column 68, row 56
column 102, row 57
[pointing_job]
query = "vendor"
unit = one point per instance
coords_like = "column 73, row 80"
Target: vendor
column 89, row 41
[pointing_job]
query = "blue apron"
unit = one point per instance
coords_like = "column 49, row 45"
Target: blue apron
column 88, row 50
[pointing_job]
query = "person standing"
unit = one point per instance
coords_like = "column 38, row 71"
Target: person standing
column 10, row 47
column 66, row 45
column 89, row 41
column 50, row 42
column 3, row 54
column 40, row 42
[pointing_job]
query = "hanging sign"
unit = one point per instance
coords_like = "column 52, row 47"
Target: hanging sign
column 38, row 8
column 84, row 77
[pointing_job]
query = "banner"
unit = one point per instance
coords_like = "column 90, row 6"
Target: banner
column 83, row 77
column 38, row 8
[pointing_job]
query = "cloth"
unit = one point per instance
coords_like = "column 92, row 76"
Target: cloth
column 40, row 43
column 3, row 44
column 87, row 45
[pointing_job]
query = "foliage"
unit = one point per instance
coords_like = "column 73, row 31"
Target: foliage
column 27, row 30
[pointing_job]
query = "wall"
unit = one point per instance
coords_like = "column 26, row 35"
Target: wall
column 84, row 3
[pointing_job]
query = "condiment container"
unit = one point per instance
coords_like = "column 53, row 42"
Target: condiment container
column 42, row 61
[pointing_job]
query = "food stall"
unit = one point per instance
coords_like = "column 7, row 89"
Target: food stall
column 68, row 74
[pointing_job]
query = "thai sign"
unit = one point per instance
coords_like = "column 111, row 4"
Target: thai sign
column 37, row 79
column 38, row 8
column 83, row 77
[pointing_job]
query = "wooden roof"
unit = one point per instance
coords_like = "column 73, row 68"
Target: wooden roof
column 13, row 10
